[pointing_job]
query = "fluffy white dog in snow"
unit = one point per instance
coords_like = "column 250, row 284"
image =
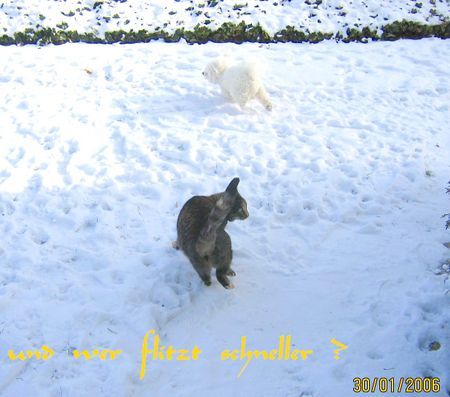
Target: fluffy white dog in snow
column 239, row 83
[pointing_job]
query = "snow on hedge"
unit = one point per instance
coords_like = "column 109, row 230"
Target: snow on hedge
column 98, row 17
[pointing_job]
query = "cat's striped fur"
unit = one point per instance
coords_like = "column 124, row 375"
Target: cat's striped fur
column 201, row 232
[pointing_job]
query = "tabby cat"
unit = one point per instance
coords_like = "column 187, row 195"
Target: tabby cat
column 201, row 232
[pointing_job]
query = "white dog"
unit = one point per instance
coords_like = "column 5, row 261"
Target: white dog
column 239, row 83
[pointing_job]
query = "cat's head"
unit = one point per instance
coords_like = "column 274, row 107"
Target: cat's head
column 239, row 209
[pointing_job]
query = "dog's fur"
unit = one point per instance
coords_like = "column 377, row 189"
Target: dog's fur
column 239, row 83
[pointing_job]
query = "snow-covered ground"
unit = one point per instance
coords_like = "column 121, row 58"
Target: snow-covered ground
column 345, row 181
column 331, row 16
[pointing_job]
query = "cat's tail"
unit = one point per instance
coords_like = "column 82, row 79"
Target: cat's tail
column 207, row 239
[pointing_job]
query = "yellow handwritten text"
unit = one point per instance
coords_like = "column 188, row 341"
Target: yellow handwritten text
column 160, row 352
column 101, row 354
column 44, row 354
column 284, row 352
column 341, row 346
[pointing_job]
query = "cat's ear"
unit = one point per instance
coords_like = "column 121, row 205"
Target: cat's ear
column 232, row 187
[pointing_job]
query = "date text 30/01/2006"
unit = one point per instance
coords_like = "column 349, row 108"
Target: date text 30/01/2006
column 393, row 385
